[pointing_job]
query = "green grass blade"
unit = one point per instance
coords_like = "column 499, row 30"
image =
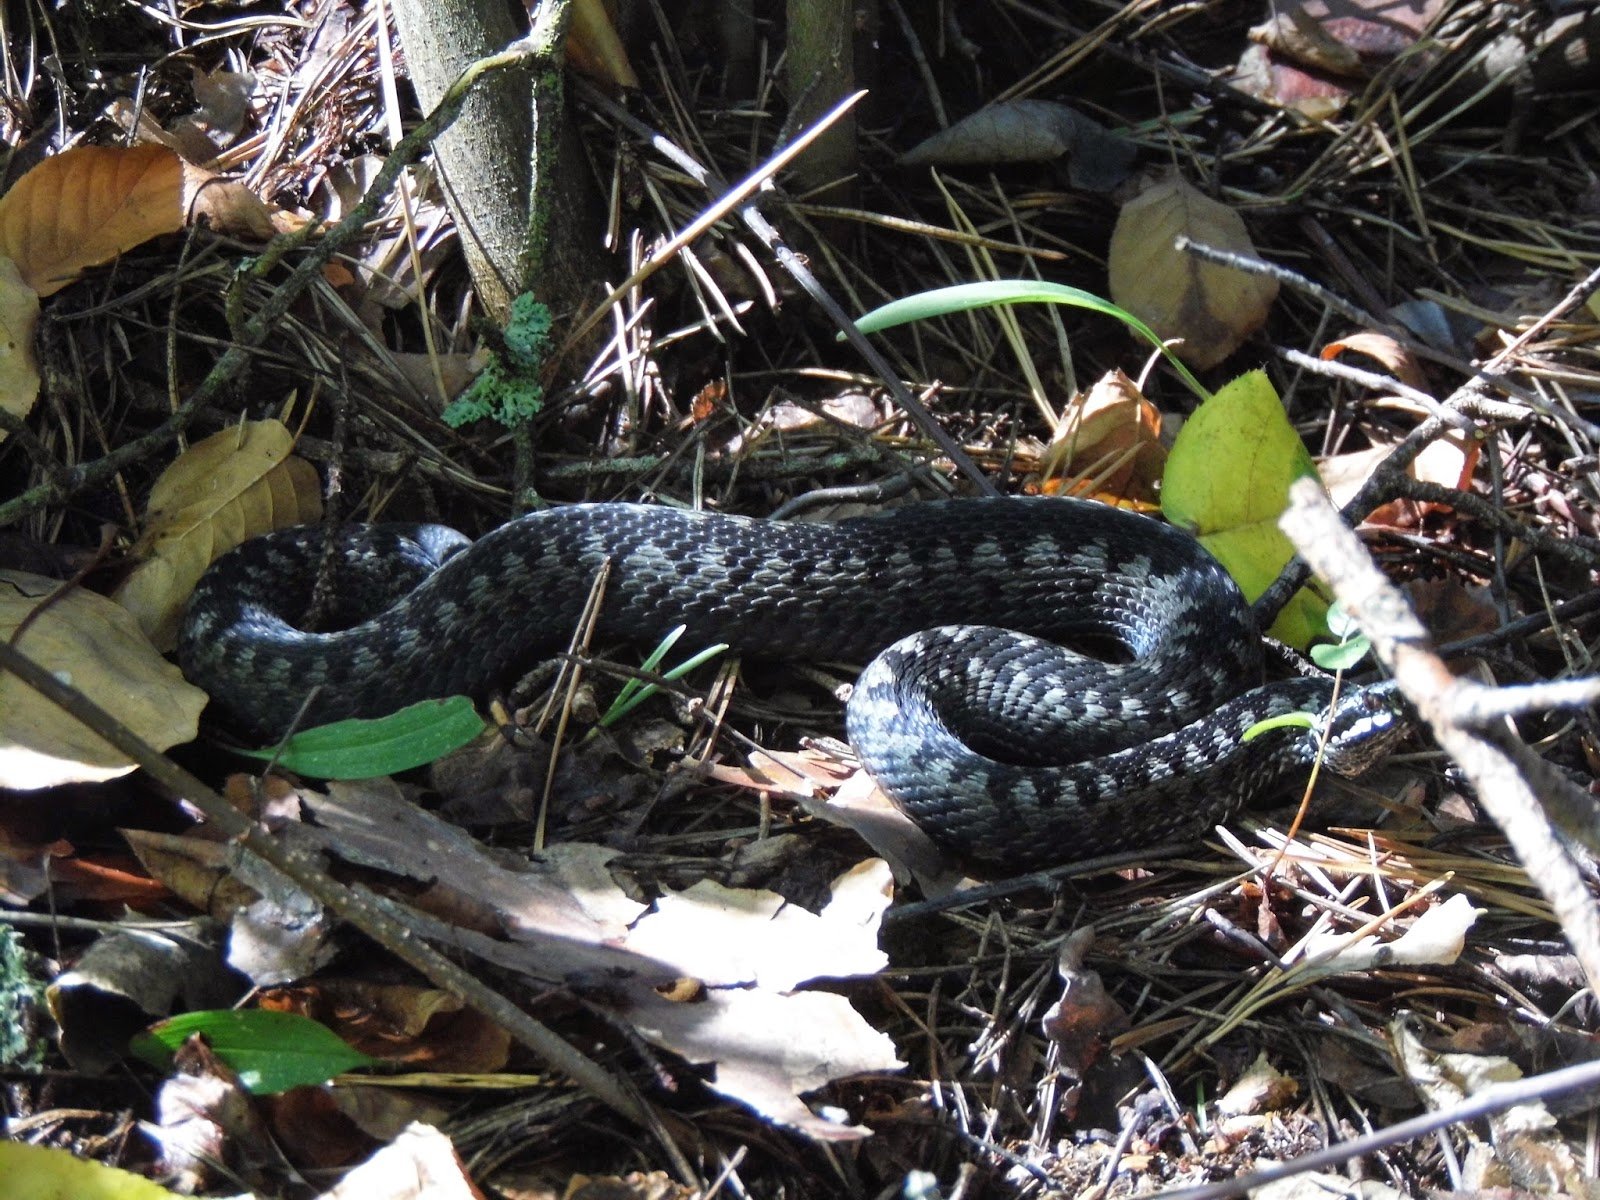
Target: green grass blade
column 635, row 692
column 963, row 297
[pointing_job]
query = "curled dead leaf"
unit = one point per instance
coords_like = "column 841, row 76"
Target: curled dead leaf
column 1401, row 363
column 230, row 207
column 1108, row 446
column 1030, row 131
column 1449, row 461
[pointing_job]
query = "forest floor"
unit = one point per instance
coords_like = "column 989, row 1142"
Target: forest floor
column 1429, row 193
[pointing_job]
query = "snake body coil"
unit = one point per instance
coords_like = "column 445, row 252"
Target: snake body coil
column 1009, row 749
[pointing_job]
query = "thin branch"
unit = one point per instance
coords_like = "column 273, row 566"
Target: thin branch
column 1494, row 762
column 1495, row 1098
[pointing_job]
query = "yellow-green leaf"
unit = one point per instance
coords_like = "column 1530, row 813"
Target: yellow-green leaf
column 46, row 1173
column 1227, row 480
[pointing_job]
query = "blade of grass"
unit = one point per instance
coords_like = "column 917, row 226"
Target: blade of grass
column 635, row 691
column 963, row 297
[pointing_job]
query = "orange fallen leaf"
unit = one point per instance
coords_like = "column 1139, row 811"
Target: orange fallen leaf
column 1108, row 446
column 1402, row 364
column 89, row 204
column 86, row 206
column 1448, row 462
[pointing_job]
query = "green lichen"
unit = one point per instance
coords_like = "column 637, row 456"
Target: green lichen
column 21, row 1003
column 508, row 389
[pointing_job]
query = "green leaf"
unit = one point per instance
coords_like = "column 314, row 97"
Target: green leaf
column 1352, row 645
column 963, row 297
column 1227, row 481
column 1341, row 624
column 1341, row 656
column 271, row 1051
column 364, row 749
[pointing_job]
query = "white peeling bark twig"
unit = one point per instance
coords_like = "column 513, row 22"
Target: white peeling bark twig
column 1519, row 790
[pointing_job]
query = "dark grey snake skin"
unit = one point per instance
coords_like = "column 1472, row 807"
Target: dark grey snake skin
column 1011, row 751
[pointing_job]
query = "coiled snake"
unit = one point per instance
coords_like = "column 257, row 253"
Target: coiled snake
column 1009, row 749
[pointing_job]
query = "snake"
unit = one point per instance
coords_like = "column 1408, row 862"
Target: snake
column 1047, row 679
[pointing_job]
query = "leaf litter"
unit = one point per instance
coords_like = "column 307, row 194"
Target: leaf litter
column 1479, row 219
column 712, row 973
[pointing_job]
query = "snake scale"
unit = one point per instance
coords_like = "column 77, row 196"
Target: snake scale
column 1009, row 749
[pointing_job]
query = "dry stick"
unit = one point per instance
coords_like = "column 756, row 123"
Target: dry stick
column 1496, row 762
column 307, row 874
column 1379, row 382
column 1468, row 398
column 720, row 208
column 1493, row 1099
column 1579, row 293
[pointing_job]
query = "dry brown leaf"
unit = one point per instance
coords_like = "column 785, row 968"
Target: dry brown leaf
column 1211, row 308
column 860, row 806
column 1401, row 363
column 1293, row 34
column 1310, row 53
column 86, row 206
column 139, row 127
column 426, row 372
column 732, row 937
column 196, row 870
column 232, row 486
column 1452, row 610
column 19, row 316
column 728, row 954
column 223, row 99
column 784, row 772
column 426, row 1029
column 769, row 1049
column 1261, row 1088
column 420, row 1163
column 230, row 207
column 1030, row 131
column 1085, row 1019
column 846, row 796
column 1285, row 85
column 277, row 932
column 1448, row 461
column 1108, row 447
column 95, row 645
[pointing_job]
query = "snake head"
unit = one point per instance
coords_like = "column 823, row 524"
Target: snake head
column 1364, row 726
